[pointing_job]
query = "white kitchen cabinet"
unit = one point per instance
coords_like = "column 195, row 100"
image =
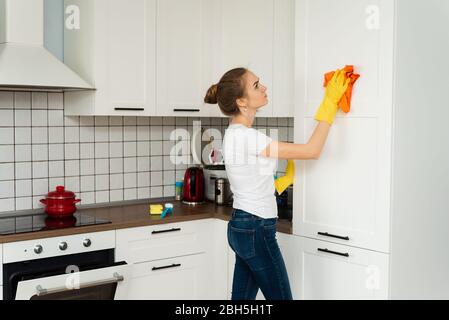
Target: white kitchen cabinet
column 181, row 278
column 183, row 57
column 283, row 92
column 246, row 39
column 336, row 272
column 353, row 171
column 220, row 260
column 1, row 293
column 162, row 241
column 199, row 248
column 114, row 50
column 377, row 186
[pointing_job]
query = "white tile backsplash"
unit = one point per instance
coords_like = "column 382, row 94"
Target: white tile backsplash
column 56, row 135
column 87, row 150
column 39, row 118
column 116, row 195
column 72, row 134
column 40, row 187
column 6, row 100
column 101, row 150
column 101, row 134
column 130, row 180
column 102, row 182
column 39, row 135
column 56, row 118
column 6, row 135
column 116, row 181
column 100, row 158
column 129, row 165
column 56, row 169
column 6, row 171
column 87, row 183
column 22, row 100
column 55, row 100
column 39, row 100
column 22, row 118
column 40, row 170
column 72, row 168
column 23, row 170
column 130, row 194
column 87, row 134
column 101, row 166
column 21, row 152
column 40, row 152
column 6, row 118
column 23, row 188
column 87, row 167
column 55, row 152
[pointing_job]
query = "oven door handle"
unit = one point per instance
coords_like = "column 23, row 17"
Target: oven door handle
column 116, row 279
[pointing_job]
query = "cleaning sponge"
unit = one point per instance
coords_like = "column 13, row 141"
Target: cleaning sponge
column 156, row 209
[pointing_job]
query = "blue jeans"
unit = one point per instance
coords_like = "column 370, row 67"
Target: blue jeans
column 258, row 259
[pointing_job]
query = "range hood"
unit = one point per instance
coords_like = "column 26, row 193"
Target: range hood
column 25, row 64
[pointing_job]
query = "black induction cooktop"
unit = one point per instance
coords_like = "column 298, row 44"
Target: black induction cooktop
column 15, row 224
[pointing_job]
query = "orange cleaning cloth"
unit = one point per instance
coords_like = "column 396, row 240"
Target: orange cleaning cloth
column 345, row 102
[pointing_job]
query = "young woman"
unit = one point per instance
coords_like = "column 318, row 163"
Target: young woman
column 250, row 158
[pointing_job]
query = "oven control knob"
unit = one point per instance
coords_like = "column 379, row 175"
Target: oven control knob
column 63, row 246
column 87, row 243
column 38, row 249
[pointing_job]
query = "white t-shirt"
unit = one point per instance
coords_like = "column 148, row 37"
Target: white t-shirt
column 250, row 175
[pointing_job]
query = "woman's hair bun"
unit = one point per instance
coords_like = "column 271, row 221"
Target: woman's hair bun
column 211, row 95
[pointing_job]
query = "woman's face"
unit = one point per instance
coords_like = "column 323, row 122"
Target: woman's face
column 256, row 93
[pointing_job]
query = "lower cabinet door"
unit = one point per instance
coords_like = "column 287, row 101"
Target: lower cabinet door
column 335, row 272
column 1, row 293
column 182, row 278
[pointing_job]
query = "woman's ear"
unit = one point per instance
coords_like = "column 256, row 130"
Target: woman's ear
column 241, row 102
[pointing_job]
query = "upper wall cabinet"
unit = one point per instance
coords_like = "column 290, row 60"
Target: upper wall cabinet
column 258, row 35
column 111, row 44
column 183, row 57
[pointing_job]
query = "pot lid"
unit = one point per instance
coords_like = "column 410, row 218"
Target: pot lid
column 61, row 193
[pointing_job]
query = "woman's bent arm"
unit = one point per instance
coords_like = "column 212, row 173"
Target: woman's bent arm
column 311, row 150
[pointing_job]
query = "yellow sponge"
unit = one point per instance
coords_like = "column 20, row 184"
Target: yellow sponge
column 156, row 209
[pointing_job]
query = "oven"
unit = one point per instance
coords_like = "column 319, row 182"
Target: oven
column 47, row 270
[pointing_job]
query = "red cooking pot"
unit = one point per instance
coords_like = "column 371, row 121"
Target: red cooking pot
column 60, row 203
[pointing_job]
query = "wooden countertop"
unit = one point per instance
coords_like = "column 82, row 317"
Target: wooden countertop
column 137, row 215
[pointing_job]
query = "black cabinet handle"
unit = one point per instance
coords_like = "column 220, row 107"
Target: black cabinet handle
column 325, row 234
column 129, row 109
column 186, row 110
column 334, row 252
column 165, row 231
column 166, row 267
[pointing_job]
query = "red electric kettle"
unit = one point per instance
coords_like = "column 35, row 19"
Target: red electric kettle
column 193, row 189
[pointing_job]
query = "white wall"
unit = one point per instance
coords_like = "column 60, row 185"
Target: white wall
column 53, row 27
column 420, row 202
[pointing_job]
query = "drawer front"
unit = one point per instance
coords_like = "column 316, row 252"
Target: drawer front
column 24, row 250
column 162, row 241
column 334, row 272
column 184, row 278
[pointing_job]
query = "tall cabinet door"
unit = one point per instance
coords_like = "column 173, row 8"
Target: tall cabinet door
column 246, row 40
column 181, row 50
column 344, row 196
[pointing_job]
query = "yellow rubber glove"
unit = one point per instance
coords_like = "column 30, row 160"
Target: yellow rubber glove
column 286, row 181
column 335, row 90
